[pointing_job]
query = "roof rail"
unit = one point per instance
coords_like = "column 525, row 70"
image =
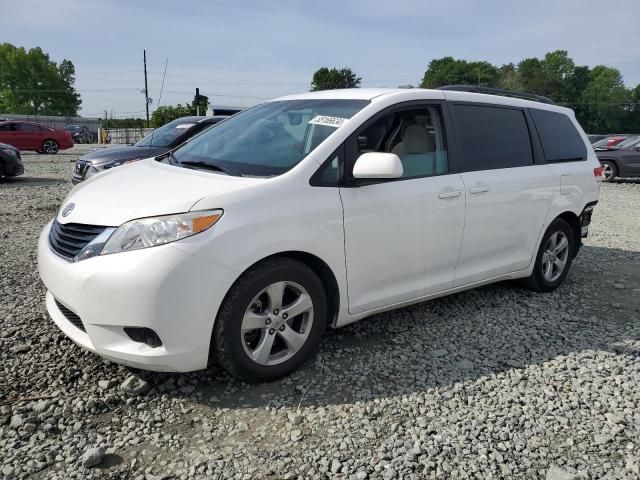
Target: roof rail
column 497, row 91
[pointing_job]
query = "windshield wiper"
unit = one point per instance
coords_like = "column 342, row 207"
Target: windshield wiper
column 204, row 165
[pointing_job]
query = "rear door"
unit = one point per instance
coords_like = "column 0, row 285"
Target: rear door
column 31, row 136
column 507, row 193
column 402, row 236
column 630, row 164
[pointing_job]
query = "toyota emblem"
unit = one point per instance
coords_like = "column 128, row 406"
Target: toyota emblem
column 67, row 210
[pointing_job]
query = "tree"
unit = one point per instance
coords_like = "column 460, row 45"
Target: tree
column 329, row 79
column 605, row 99
column 508, row 77
column 32, row 84
column 167, row 113
column 449, row 71
column 632, row 118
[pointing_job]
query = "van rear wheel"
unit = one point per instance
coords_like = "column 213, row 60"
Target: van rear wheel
column 554, row 257
column 271, row 321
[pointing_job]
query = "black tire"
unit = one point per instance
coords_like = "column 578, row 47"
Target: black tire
column 537, row 281
column 613, row 169
column 50, row 147
column 227, row 341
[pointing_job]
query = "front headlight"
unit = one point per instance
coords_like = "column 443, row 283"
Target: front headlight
column 150, row 232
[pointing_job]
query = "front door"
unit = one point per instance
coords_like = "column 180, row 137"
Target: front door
column 402, row 236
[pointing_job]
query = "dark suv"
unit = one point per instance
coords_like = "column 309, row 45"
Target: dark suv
column 622, row 160
column 79, row 133
column 156, row 143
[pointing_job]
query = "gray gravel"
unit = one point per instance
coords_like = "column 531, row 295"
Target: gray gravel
column 497, row 382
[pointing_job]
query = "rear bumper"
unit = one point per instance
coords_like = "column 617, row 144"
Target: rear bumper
column 175, row 294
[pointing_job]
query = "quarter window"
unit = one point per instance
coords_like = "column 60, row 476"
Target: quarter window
column 561, row 141
column 415, row 135
column 492, row 137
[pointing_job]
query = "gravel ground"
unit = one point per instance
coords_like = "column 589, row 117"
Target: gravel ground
column 496, row 382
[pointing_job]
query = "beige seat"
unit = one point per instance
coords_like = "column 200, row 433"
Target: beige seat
column 416, row 152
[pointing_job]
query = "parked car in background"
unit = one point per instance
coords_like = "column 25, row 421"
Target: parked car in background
column 10, row 161
column 79, row 133
column 594, row 138
column 626, row 143
column 610, row 141
column 621, row 161
column 34, row 136
column 242, row 244
column 156, row 143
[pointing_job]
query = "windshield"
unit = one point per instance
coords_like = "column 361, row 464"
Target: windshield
column 165, row 135
column 268, row 139
column 71, row 128
column 629, row 142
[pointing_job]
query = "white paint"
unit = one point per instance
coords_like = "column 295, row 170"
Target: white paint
column 393, row 243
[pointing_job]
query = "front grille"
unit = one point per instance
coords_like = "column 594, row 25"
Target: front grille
column 68, row 240
column 72, row 317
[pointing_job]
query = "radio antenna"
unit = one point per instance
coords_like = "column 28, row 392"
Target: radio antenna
column 164, row 75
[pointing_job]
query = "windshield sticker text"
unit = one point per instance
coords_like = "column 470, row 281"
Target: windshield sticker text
column 335, row 122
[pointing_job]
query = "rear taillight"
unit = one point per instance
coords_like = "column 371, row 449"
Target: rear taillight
column 598, row 171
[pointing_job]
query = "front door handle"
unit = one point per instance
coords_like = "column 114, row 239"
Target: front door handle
column 479, row 189
column 452, row 194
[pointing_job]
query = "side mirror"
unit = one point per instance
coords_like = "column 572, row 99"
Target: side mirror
column 378, row 165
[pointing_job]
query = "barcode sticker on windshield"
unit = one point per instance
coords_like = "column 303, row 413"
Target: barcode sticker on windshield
column 327, row 121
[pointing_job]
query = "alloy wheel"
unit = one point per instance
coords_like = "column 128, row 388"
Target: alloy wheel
column 50, row 146
column 555, row 256
column 607, row 171
column 277, row 323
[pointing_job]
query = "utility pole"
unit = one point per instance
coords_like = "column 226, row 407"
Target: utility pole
column 146, row 89
column 197, row 99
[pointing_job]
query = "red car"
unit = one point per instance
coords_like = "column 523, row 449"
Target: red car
column 34, row 136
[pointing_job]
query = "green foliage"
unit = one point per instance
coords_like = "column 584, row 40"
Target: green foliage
column 167, row 113
column 601, row 102
column 449, row 71
column 329, row 79
column 32, row 84
column 125, row 123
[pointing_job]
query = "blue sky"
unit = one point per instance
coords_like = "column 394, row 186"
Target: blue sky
column 242, row 52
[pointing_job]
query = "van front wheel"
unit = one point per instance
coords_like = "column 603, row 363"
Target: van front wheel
column 554, row 257
column 271, row 321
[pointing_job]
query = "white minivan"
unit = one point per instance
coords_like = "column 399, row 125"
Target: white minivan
column 240, row 246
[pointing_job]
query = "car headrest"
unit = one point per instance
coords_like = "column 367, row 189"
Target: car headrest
column 418, row 140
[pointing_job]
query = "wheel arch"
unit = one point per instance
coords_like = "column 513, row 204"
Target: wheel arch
column 574, row 222
column 611, row 160
column 320, row 268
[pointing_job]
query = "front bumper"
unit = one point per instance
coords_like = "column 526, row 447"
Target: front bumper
column 162, row 288
column 12, row 166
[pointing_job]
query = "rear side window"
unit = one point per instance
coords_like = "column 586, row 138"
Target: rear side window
column 561, row 141
column 29, row 127
column 492, row 137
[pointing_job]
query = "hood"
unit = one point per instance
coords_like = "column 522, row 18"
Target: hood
column 122, row 153
column 144, row 189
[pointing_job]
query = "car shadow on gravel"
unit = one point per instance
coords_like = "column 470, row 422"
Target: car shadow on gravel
column 438, row 344
column 30, row 181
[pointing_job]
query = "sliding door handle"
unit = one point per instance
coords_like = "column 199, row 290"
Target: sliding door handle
column 479, row 189
column 453, row 194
